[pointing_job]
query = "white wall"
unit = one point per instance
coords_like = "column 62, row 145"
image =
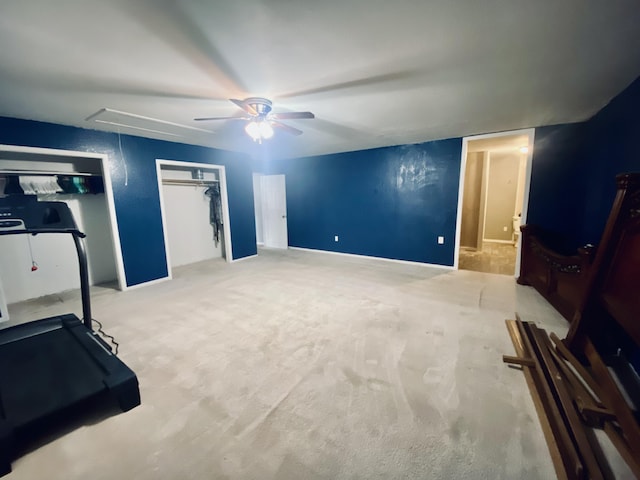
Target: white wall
column 472, row 196
column 501, row 195
column 186, row 210
column 257, row 206
column 522, row 179
column 4, row 314
column 56, row 255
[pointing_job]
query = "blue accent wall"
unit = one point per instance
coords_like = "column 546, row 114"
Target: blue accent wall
column 574, row 168
column 558, row 180
column 611, row 147
column 388, row 202
column 393, row 202
column 135, row 187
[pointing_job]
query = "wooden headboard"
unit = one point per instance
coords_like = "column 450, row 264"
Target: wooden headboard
column 613, row 295
column 614, row 282
column 620, row 291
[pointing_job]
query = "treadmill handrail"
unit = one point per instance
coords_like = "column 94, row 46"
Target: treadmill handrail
column 34, row 231
column 78, row 240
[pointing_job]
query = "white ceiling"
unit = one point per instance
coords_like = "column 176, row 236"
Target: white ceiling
column 374, row 72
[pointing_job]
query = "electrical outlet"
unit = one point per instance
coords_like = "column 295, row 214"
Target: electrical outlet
column 504, row 229
column 335, row 239
column 440, row 240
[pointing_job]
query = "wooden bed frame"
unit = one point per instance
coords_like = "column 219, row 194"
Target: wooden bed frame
column 612, row 296
column 585, row 381
column 559, row 278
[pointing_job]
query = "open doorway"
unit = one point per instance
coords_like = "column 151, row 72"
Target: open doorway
column 494, row 191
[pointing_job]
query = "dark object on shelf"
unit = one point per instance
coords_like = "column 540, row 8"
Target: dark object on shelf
column 80, row 185
column 67, row 183
column 558, row 275
column 54, row 370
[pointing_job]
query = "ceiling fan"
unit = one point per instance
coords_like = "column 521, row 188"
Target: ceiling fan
column 261, row 120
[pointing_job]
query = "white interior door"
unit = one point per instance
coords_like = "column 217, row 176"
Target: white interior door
column 274, row 211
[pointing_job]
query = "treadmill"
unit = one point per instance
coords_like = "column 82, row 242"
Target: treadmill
column 54, row 369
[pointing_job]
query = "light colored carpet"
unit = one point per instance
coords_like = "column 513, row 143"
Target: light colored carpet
column 301, row 365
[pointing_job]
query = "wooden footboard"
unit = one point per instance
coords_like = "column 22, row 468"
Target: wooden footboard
column 561, row 279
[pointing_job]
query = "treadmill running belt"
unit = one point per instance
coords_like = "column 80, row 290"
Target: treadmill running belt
column 58, row 372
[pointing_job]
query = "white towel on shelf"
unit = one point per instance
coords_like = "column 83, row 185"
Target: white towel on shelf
column 32, row 184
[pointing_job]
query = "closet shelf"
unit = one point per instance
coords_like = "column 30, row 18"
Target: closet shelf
column 194, row 183
column 39, row 182
column 42, row 173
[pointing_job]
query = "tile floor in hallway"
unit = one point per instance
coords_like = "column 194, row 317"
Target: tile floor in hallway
column 491, row 258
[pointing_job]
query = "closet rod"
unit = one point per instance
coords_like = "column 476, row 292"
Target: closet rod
column 46, row 174
column 195, row 183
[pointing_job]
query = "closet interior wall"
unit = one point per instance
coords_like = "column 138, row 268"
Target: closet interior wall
column 45, row 264
column 189, row 232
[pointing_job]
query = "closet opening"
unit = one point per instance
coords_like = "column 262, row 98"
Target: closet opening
column 195, row 212
column 37, row 266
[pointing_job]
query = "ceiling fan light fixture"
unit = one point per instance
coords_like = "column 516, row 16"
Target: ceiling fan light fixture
column 266, row 130
column 253, row 130
column 260, row 120
column 259, row 130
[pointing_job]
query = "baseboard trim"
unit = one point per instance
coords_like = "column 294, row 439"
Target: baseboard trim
column 497, row 241
column 147, row 284
column 243, row 258
column 392, row 260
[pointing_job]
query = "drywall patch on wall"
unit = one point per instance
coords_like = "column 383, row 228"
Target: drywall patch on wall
column 415, row 171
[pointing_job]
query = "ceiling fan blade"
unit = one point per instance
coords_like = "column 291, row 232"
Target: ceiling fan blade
column 245, row 106
column 206, row 119
column 359, row 82
column 287, row 128
column 174, row 23
column 292, row 115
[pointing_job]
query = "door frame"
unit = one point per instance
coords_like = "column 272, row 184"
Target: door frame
column 530, row 132
column 226, row 228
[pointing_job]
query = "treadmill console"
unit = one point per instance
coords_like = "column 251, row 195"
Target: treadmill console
column 25, row 212
column 12, row 224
